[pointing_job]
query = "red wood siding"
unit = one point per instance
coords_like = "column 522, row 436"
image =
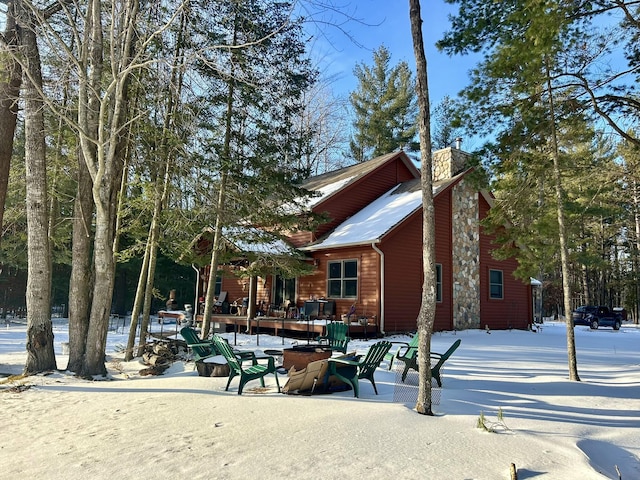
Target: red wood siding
column 515, row 309
column 444, row 309
column 403, row 275
column 299, row 239
column 361, row 193
column 403, row 270
column 367, row 302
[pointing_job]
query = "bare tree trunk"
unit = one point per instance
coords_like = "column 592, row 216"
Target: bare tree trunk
column 147, row 273
column 217, row 241
column 10, row 79
column 636, row 260
column 81, row 282
column 148, row 291
column 137, row 305
column 253, row 299
column 426, row 317
column 564, row 251
column 40, row 353
column 154, row 237
column 106, row 164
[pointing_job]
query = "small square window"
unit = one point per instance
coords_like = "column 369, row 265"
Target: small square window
column 342, row 281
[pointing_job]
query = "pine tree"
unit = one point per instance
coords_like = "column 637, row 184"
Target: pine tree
column 518, row 94
column 252, row 95
column 444, row 130
column 385, row 108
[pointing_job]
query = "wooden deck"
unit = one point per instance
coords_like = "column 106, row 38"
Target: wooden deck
column 285, row 326
column 271, row 325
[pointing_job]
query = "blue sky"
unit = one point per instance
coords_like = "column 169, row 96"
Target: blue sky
column 387, row 22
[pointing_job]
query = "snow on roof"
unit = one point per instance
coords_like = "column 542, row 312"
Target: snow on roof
column 328, row 183
column 253, row 240
column 326, row 190
column 371, row 223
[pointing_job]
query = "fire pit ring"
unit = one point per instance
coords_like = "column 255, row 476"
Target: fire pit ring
column 302, row 355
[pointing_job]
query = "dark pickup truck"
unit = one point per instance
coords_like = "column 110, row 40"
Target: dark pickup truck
column 595, row 317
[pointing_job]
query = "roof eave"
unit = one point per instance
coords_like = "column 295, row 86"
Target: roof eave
column 359, row 243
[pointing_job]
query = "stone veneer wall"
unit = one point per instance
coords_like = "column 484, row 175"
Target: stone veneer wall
column 466, row 256
column 448, row 162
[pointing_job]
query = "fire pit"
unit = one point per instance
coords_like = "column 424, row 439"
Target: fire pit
column 301, row 355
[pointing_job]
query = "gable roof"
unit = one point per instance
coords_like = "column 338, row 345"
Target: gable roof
column 243, row 240
column 329, row 183
column 381, row 216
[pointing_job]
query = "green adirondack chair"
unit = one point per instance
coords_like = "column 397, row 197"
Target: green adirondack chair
column 413, row 344
column 351, row 371
column 336, row 337
column 202, row 349
column 409, row 355
column 252, row 372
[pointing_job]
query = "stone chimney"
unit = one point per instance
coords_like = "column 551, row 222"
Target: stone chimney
column 449, row 162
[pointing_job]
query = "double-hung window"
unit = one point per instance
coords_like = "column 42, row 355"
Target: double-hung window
column 342, row 281
column 496, row 284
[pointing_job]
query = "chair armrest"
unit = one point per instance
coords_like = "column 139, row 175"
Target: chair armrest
column 436, row 356
column 242, row 356
column 271, row 363
column 204, row 344
column 343, row 361
column 407, row 350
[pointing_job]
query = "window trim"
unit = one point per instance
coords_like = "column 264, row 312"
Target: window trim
column 342, row 278
column 491, row 284
column 438, row 283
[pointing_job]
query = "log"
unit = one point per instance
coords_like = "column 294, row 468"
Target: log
column 210, row 369
column 154, row 360
column 162, row 350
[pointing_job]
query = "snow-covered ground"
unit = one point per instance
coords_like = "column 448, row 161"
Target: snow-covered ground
column 180, row 425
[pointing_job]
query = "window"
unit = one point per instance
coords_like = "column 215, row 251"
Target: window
column 284, row 290
column 342, row 279
column 496, row 284
column 438, row 282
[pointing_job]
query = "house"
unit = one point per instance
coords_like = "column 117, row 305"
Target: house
column 368, row 256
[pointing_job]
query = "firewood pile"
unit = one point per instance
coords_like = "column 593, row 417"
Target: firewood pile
column 159, row 356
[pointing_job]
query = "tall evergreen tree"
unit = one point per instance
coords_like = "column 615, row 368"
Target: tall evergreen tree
column 40, row 354
column 604, row 31
column 444, row 131
column 385, row 108
column 518, row 94
column 253, row 85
